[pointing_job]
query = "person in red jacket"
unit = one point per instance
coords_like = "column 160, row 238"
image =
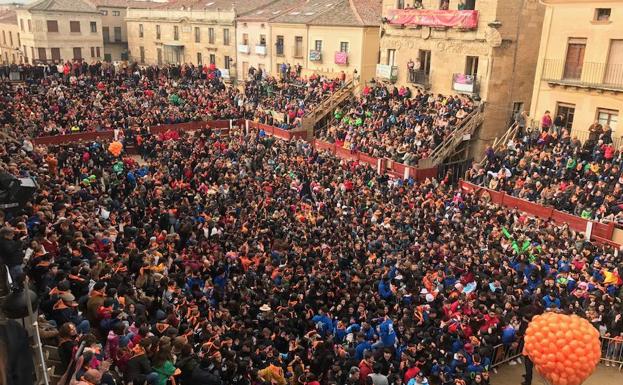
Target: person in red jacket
column 365, row 367
column 411, row 372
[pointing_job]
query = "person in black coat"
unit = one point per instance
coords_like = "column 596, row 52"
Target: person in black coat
column 138, row 370
column 16, row 364
column 11, row 252
column 204, row 374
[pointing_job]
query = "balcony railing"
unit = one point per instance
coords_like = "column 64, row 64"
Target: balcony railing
column 588, row 75
column 434, row 18
column 279, row 49
column 260, row 49
column 243, row 48
column 420, row 77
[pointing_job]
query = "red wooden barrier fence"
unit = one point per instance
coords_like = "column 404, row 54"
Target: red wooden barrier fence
column 601, row 232
column 108, row 135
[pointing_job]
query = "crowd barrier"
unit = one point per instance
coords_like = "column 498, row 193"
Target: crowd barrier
column 382, row 165
column 108, row 134
column 612, row 352
column 505, row 353
column 600, row 232
column 275, row 131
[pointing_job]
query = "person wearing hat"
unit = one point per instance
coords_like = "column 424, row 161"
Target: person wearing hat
column 66, row 310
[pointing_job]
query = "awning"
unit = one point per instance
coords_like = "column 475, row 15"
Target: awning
column 174, row 44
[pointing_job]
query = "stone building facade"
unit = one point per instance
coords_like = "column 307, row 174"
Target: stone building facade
column 10, row 38
column 485, row 48
column 580, row 65
column 199, row 32
column 328, row 37
column 114, row 26
column 60, row 30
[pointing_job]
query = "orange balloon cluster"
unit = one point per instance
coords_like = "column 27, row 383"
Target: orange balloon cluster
column 565, row 349
column 115, row 148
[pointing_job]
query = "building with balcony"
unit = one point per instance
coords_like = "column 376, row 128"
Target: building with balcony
column 483, row 48
column 580, row 65
column 253, row 33
column 188, row 31
column 327, row 36
column 114, row 27
column 10, row 38
column 59, row 30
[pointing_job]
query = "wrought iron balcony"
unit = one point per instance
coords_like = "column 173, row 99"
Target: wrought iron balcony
column 420, row 78
column 587, row 75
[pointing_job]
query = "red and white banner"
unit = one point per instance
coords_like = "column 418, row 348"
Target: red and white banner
column 433, row 18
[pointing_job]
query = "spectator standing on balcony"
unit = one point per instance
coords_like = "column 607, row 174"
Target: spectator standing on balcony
column 594, row 131
column 559, row 123
column 546, row 122
column 444, row 5
column 411, row 68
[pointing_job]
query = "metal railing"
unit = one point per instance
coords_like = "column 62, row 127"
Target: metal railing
column 583, row 135
column 467, row 127
column 589, row 74
column 419, row 77
column 511, row 133
column 505, row 353
column 612, row 351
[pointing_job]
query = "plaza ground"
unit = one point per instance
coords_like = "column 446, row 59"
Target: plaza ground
column 511, row 375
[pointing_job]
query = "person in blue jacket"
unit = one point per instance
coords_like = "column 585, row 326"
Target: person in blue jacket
column 551, row 302
column 362, row 346
column 323, row 322
column 387, row 334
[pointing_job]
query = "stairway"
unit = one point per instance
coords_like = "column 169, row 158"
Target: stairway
column 498, row 143
column 462, row 133
column 326, row 107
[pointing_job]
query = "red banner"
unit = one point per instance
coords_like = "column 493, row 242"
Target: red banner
column 433, row 18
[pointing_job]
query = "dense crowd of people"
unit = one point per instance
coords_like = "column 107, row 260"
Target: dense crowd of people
column 554, row 168
column 78, row 97
column 283, row 101
column 248, row 260
column 395, row 123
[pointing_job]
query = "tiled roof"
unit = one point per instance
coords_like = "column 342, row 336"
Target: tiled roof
column 8, row 17
column 241, row 6
column 334, row 12
column 369, row 11
column 128, row 3
column 62, row 5
column 273, row 9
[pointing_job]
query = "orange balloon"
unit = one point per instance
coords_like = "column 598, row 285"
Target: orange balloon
column 565, row 349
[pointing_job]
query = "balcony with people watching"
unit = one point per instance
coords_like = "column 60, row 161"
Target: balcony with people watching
column 449, row 14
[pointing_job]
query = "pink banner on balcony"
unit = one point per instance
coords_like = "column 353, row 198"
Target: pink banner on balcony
column 341, row 58
column 433, row 18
